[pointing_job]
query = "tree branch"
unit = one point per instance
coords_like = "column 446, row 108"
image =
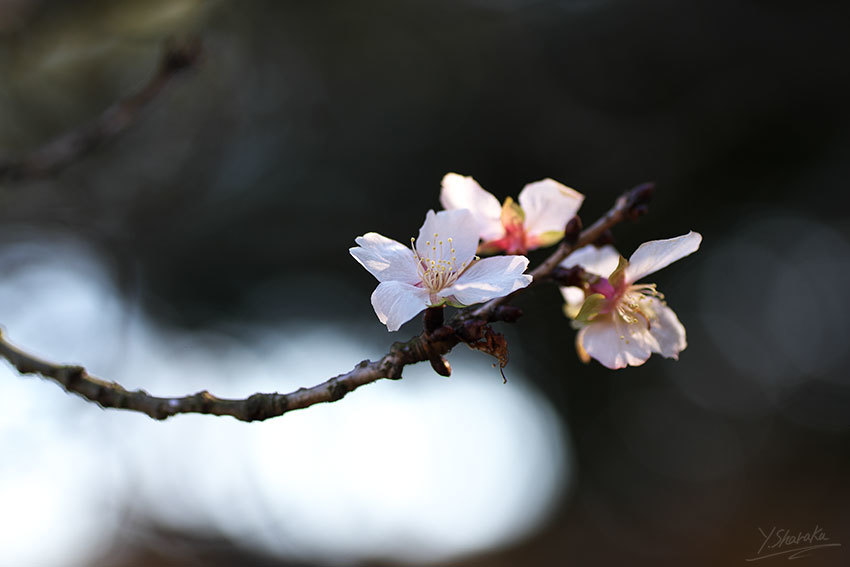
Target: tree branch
column 468, row 326
column 71, row 146
column 77, row 380
column 630, row 205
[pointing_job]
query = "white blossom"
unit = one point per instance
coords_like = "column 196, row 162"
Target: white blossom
column 440, row 267
column 623, row 322
column 545, row 207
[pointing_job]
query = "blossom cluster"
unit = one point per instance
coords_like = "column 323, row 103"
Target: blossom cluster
column 620, row 322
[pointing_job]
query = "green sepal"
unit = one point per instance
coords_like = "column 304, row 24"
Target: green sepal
column 591, row 307
column 571, row 311
column 549, row 238
column 618, row 276
column 512, row 213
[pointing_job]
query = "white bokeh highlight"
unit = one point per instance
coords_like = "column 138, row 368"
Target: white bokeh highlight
column 418, row 470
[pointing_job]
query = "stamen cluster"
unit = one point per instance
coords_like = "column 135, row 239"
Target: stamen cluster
column 635, row 303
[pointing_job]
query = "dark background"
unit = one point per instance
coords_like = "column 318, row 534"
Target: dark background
column 236, row 196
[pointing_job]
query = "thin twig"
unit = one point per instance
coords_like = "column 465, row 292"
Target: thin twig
column 257, row 407
column 71, row 146
column 468, row 326
column 629, row 205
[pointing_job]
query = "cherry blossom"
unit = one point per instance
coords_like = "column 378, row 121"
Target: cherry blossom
column 621, row 322
column 538, row 219
column 439, row 267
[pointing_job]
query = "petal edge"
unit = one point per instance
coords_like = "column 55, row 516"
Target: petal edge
column 656, row 254
column 396, row 303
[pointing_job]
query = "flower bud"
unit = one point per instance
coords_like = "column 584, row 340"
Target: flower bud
column 574, row 276
column 572, row 231
column 637, row 200
column 441, row 366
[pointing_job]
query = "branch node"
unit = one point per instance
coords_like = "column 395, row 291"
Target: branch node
column 440, row 365
column 472, row 330
column 572, row 231
column 205, row 400
column 441, row 334
column 574, row 276
column 162, row 412
column 433, row 319
column 390, row 369
column 73, row 375
column 507, row 313
column 338, row 391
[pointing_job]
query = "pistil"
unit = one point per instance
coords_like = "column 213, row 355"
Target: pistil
column 438, row 269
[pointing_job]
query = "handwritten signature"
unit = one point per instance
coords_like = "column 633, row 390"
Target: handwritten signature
column 782, row 541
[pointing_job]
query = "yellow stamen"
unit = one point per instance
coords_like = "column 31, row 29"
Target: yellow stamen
column 438, row 269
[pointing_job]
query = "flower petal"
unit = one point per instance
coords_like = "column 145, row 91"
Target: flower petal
column 615, row 344
column 600, row 261
column 385, row 258
column 548, row 206
column 459, row 225
column 656, row 254
column 396, row 303
column 574, row 298
column 488, row 278
column 667, row 330
column 461, row 192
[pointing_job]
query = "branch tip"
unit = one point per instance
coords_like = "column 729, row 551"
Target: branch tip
column 637, row 200
column 572, row 231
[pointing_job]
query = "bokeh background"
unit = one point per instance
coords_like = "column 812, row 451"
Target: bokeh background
column 206, row 247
